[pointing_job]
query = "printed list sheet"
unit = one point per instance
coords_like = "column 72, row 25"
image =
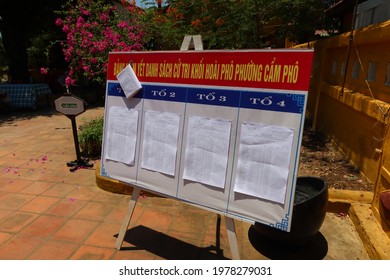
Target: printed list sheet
column 207, row 150
column 122, row 134
column 160, row 141
column 263, row 161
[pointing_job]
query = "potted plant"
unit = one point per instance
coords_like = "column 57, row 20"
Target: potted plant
column 91, row 136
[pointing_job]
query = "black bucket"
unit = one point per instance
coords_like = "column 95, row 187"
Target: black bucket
column 309, row 210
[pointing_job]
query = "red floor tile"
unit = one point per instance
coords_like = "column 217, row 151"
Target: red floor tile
column 19, row 247
column 95, row 211
column 104, row 196
column 135, row 255
column 155, row 219
column 16, row 221
column 66, row 207
column 4, row 213
column 54, row 250
column 83, row 193
column 39, row 204
column 37, row 188
column 44, row 226
column 15, row 184
column 104, row 236
column 92, row 253
column 75, row 230
column 117, row 214
column 4, row 237
column 15, row 201
column 4, row 195
column 60, row 190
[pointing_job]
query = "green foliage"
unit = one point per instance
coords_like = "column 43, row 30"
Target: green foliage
column 235, row 24
column 91, row 136
column 223, row 24
column 93, row 29
column 300, row 18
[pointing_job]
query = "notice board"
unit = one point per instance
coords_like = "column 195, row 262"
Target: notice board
column 218, row 129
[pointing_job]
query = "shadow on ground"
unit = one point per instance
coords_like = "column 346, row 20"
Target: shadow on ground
column 167, row 247
column 314, row 249
column 15, row 115
column 20, row 114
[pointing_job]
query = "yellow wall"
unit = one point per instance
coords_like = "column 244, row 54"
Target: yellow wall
column 354, row 112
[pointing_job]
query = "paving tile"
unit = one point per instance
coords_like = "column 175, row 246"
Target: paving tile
column 105, row 196
column 12, row 162
column 66, row 207
column 16, row 221
column 44, row 226
column 104, row 235
column 4, row 213
column 60, row 190
column 3, row 181
column 96, row 211
column 54, row 250
column 39, row 204
column 4, row 195
column 16, row 201
column 175, row 249
column 83, row 193
column 42, row 175
column 37, row 188
column 92, row 253
column 117, row 214
column 75, row 230
column 153, row 218
column 19, row 247
column 5, row 237
column 135, row 254
column 15, row 185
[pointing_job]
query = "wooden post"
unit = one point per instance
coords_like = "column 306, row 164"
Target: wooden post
column 192, row 42
column 126, row 220
column 232, row 236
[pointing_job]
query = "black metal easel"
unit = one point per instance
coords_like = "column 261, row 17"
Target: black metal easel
column 72, row 106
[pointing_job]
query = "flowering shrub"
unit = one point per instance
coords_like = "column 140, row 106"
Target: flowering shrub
column 93, row 29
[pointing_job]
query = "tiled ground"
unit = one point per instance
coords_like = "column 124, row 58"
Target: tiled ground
column 47, row 212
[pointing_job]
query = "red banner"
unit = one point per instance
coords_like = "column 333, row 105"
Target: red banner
column 268, row 69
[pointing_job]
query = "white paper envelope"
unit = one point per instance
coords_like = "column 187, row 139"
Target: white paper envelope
column 129, row 81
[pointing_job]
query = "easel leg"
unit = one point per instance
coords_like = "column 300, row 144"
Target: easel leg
column 231, row 231
column 126, row 221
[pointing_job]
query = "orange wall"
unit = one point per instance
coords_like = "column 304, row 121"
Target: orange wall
column 354, row 112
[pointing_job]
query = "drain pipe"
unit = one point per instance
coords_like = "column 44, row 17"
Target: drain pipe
column 349, row 46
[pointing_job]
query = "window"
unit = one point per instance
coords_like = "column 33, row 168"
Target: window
column 342, row 72
column 355, row 70
column 371, row 73
column 334, row 67
column 387, row 82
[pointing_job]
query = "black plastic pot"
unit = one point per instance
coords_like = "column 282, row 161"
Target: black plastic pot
column 309, row 210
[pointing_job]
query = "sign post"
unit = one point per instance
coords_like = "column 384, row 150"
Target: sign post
column 71, row 106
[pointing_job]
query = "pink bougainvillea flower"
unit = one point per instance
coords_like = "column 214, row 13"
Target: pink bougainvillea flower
column 59, row 22
column 69, row 81
column 93, row 29
column 44, row 71
column 66, row 29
